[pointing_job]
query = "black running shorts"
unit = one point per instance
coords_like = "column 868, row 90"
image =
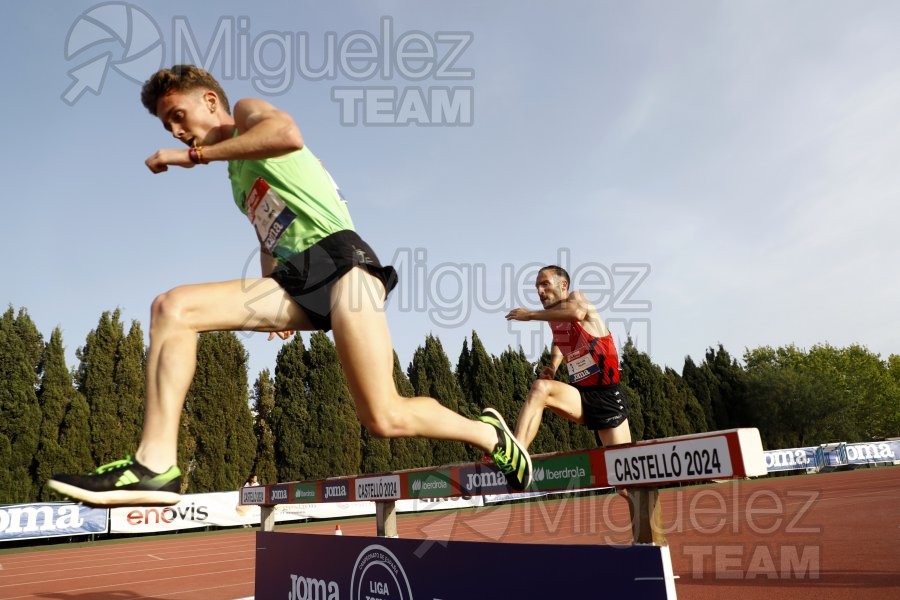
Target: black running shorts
column 604, row 406
column 309, row 276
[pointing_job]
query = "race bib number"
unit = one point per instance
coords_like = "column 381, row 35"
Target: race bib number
column 581, row 365
column 268, row 214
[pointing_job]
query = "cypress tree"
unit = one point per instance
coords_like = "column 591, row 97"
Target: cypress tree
column 208, row 426
column 581, row 437
column 732, row 408
column 431, row 375
column 290, row 413
column 221, row 424
column 408, row 453
column 375, row 453
column 240, row 445
column 129, row 380
column 7, row 483
column 480, row 384
column 187, row 445
column 96, row 382
column 75, row 437
column 263, row 406
column 20, row 413
column 479, row 381
column 635, row 412
column 701, row 383
column 465, row 377
column 332, row 431
column 687, row 414
column 648, row 382
column 515, row 375
column 32, row 340
column 54, row 395
column 33, row 343
column 696, row 415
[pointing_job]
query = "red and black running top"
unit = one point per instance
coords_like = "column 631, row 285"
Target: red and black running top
column 591, row 360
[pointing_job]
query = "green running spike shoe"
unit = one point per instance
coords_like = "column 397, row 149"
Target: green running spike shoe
column 509, row 455
column 121, row 483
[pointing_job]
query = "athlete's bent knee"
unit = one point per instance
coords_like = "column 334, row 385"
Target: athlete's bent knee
column 168, row 307
column 541, row 389
column 386, row 424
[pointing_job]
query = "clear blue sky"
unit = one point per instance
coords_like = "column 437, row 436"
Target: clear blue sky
column 713, row 172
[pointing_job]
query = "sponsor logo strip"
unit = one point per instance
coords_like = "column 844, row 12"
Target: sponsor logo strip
column 306, row 492
column 863, row 453
column 477, row 480
column 790, row 459
column 433, row 484
column 378, row 488
column 278, row 493
column 253, row 495
column 562, row 472
column 336, row 490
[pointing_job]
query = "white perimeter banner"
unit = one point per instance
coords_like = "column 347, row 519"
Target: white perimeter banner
column 222, row 510
column 195, row 510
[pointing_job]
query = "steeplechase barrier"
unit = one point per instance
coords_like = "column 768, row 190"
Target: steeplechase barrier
column 308, row 567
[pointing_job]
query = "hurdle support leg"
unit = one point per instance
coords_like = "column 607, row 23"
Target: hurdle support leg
column 386, row 518
column 646, row 516
column 267, row 518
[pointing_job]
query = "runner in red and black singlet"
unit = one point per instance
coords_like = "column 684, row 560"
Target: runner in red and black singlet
column 592, row 360
column 581, row 339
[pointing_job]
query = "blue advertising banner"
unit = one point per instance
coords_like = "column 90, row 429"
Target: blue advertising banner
column 305, row 567
column 28, row 521
column 791, row 459
column 874, row 452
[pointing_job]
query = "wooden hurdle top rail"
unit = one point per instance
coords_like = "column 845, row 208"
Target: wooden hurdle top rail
column 730, row 454
column 642, row 467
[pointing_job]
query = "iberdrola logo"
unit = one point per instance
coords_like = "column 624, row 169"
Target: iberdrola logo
column 569, row 472
column 121, row 36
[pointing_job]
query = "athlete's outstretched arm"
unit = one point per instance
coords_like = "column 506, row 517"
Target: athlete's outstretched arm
column 264, row 132
column 575, row 308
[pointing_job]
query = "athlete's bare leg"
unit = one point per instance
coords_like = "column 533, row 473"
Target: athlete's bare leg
column 564, row 400
column 361, row 337
column 561, row 398
column 620, row 434
column 363, row 342
column 176, row 318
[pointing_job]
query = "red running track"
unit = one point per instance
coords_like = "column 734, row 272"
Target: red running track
column 824, row 536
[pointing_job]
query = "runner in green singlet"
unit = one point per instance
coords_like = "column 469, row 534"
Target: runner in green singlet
column 309, row 281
